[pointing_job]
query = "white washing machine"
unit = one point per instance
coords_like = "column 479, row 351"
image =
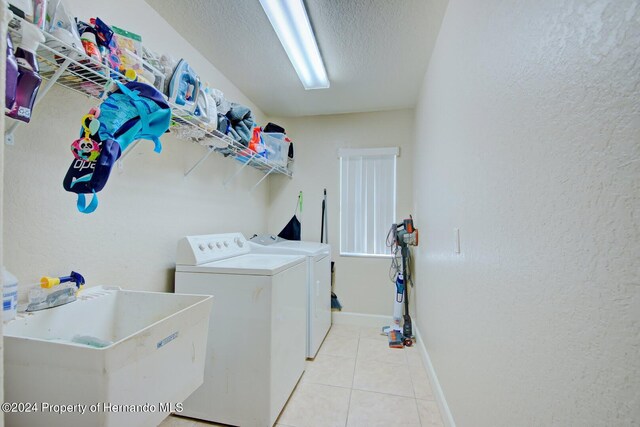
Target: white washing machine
column 256, row 343
column 318, row 282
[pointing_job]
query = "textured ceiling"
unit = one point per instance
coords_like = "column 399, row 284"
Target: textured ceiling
column 375, row 51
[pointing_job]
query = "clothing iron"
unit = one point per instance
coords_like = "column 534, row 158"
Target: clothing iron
column 203, row 108
column 52, row 293
column 184, row 87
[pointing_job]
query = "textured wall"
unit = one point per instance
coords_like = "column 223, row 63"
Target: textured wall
column 144, row 209
column 3, row 47
column 528, row 140
column 362, row 284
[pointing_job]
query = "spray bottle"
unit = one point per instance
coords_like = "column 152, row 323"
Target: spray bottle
column 55, row 291
column 9, row 295
column 28, row 78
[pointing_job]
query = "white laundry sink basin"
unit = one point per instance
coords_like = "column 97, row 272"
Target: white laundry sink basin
column 153, row 355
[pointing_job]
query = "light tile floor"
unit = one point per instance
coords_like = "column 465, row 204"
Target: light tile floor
column 356, row 380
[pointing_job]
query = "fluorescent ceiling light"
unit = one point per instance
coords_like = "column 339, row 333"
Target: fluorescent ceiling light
column 289, row 19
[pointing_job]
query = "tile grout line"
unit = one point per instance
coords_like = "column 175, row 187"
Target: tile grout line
column 389, row 394
column 386, row 394
column 332, row 385
column 426, row 400
column 414, row 389
column 413, row 386
column 353, row 378
column 346, row 420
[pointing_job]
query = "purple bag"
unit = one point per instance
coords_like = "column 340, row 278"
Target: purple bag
column 11, row 76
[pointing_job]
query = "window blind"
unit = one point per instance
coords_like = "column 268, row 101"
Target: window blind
column 367, row 200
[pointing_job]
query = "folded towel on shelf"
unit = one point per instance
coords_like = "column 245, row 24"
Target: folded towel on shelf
column 241, row 123
column 223, row 127
column 223, row 123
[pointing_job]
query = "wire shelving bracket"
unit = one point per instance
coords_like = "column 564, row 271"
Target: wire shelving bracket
column 261, row 179
column 199, row 162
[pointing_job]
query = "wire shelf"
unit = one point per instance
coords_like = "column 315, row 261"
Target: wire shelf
column 62, row 64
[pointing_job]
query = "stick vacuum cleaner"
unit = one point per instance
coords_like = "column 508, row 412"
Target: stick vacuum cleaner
column 403, row 235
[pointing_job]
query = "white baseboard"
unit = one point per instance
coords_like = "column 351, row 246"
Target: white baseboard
column 445, row 412
column 360, row 319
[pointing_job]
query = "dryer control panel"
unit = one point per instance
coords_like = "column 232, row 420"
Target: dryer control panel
column 197, row 250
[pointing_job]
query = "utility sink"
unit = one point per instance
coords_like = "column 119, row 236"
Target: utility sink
column 131, row 357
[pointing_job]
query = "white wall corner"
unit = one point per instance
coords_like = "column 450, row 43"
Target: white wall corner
column 360, row 319
column 445, row 412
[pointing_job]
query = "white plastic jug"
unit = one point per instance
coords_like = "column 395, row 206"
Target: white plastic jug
column 9, row 295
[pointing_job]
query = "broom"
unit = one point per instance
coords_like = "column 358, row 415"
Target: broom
column 324, row 228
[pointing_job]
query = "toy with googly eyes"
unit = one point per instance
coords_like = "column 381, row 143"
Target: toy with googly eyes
column 86, row 148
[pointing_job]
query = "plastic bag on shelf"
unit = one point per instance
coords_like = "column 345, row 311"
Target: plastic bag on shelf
column 153, row 62
column 61, row 25
column 168, row 67
column 129, row 49
column 222, row 105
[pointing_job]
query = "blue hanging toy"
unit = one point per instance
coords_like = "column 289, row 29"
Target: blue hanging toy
column 133, row 111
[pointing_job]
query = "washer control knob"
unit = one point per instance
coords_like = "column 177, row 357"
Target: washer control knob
column 201, row 247
column 210, row 246
column 226, row 244
column 239, row 242
column 219, row 245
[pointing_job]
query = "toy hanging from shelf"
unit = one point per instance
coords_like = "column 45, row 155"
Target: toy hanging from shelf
column 132, row 112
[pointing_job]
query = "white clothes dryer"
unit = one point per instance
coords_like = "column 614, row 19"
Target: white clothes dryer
column 318, row 282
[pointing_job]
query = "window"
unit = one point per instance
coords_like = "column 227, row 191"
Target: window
column 367, row 200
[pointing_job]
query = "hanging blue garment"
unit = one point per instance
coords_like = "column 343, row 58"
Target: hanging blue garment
column 133, row 111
